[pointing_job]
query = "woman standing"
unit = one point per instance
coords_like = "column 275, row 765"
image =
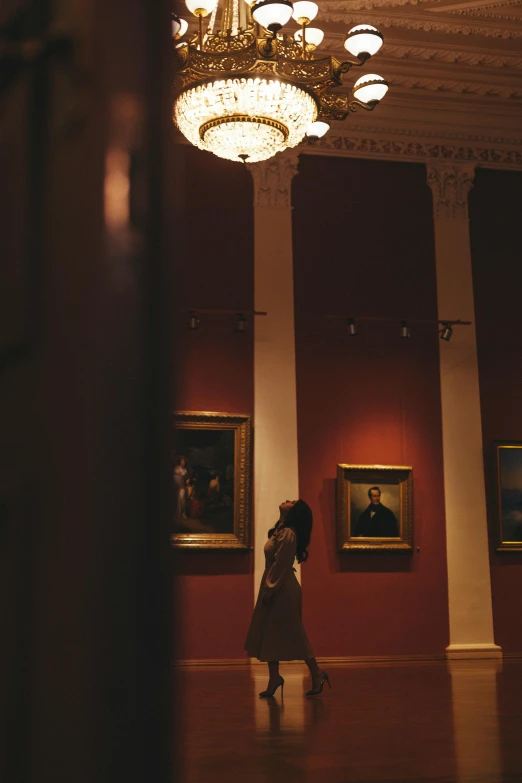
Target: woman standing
column 276, row 632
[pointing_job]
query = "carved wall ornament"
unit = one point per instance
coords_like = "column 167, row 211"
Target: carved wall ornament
column 273, row 180
column 450, row 185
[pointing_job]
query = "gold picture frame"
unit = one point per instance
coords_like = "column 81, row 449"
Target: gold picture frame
column 386, row 528
column 212, row 487
column 508, row 486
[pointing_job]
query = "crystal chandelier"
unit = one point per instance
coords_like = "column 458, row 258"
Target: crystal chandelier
column 247, row 88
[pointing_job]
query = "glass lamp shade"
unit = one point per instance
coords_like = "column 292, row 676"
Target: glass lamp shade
column 363, row 39
column 313, row 36
column 305, row 11
column 176, row 24
column 272, row 14
column 245, row 119
column 316, row 130
column 179, row 26
column 205, row 6
column 370, row 88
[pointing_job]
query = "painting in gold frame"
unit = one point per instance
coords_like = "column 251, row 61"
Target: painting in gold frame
column 374, row 508
column 211, row 465
column 508, row 472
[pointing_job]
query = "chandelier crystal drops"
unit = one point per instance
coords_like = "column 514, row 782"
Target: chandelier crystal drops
column 247, row 89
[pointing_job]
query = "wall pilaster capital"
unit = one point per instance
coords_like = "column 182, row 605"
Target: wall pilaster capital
column 273, row 180
column 450, row 184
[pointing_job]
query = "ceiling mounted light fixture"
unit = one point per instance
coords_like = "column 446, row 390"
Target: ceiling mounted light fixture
column 241, row 323
column 405, row 330
column 446, row 332
column 193, row 322
column 352, row 327
column 246, row 94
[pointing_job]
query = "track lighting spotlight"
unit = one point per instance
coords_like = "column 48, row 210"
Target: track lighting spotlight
column 352, row 327
column 193, row 321
column 405, row 330
column 241, row 323
column 446, row 332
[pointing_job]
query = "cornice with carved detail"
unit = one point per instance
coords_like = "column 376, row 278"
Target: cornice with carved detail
column 456, row 86
column 397, row 149
column 342, row 12
column 450, row 55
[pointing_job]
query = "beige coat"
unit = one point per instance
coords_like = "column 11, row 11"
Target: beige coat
column 276, row 632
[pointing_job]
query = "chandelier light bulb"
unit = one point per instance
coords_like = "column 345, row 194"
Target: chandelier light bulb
column 305, row 11
column 201, row 7
column 271, row 14
column 363, row 40
column 316, row 130
column 313, row 36
column 370, row 88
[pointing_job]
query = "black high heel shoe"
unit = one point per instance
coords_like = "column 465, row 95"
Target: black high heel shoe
column 268, row 694
column 319, row 689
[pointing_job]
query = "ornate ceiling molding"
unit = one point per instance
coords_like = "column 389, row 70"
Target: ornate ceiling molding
column 397, row 149
column 452, row 85
column 473, row 6
column 342, row 12
column 273, row 180
column 369, row 5
column 451, row 55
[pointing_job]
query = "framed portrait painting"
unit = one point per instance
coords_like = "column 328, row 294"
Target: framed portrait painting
column 374, row 508
column 508, row 470
column 211, row 463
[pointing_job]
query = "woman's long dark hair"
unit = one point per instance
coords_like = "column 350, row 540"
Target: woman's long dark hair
column 300, row 519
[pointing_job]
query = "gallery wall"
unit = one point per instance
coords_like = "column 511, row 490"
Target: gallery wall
column 214, row 372
column 363, row 246
column 495, row 210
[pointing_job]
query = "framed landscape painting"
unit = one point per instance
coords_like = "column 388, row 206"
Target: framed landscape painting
column 508, row 470
column 211, row 463
column 374, row 508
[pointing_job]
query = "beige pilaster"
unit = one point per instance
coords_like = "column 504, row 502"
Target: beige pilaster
column 275, row 407
column 469, row 585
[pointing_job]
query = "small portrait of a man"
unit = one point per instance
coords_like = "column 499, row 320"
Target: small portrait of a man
column 377, row 520
column 374, row 508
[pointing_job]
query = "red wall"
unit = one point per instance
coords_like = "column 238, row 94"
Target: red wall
column 363, row 246
column 495, row 211
column 214, row 372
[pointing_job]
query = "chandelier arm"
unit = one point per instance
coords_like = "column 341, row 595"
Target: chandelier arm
column 270, row 46
column 355, row 105
column 347, row 64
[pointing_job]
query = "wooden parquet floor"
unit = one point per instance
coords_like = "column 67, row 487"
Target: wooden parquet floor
column 430, row 722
